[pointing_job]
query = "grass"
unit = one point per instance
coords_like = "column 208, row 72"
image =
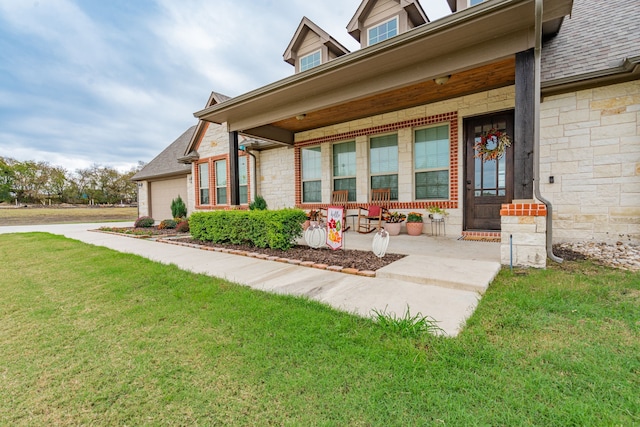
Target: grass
column 89, row 336
column 37, row 216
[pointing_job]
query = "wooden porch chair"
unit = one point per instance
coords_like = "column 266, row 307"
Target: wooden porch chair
column 338, row 198
column 370, row 218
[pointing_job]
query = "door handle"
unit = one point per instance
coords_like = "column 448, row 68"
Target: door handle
column 469, row 181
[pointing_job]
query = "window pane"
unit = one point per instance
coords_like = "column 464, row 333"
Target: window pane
column 384, row 154
column 244, row 195
column 383, row 31
column 221, row 195
column 203, row 174
column 432, row 148
column 346, row 184
column 311, row 163
column 203, row 183
column 344, row 159
column 204, row 196
column 310, row 61
column 242, row 166
column 311, row 192
column 221, row 173
column 386, row 181
column 432, row 185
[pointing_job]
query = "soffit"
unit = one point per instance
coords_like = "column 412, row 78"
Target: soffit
column 461, row 42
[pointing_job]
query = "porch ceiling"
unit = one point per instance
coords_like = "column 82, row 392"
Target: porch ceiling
column 491, row 76
column 475, row 46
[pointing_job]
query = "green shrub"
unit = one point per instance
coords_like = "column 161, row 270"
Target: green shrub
column 167, row 224
column 178, row 208
column 258, row 204
column 183, row 226
column 261, row 228
column 144, row 221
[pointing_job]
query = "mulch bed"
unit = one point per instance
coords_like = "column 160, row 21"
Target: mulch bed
column 347, row 259
column 359, row 260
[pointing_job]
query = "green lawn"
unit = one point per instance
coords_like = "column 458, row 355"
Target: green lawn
column 89, row 336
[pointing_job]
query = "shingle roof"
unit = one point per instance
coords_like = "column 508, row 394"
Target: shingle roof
column 598, row 36
column 166, row 163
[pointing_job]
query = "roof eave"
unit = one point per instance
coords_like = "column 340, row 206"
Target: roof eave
column 627, row 71
column 446, row 28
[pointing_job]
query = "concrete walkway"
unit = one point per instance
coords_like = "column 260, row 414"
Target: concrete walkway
column 442, row 277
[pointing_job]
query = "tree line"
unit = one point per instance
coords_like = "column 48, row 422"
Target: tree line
column 40, row 182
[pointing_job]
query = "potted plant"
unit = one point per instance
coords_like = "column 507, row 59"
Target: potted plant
column 414, row 223
column 313, row 217
column 436, row 212
column 393, row 222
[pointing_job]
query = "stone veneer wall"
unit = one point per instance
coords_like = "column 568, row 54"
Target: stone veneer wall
column 590, row 144
column 524, row 226
column 276, row 177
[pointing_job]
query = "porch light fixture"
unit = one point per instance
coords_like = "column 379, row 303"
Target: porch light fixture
column 442, row 80
column 301, row 116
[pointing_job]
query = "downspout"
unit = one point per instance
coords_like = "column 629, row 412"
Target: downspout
column 536, row 138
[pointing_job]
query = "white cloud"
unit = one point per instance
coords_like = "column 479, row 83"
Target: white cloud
column 101, row 82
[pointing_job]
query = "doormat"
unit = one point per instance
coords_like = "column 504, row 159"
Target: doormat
column 476, row 238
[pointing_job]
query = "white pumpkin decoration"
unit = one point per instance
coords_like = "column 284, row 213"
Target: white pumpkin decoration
column 315, row 236
column 380, row 243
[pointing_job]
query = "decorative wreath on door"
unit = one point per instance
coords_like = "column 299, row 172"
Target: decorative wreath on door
column 501, row 140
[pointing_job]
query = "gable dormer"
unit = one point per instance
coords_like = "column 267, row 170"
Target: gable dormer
column 311, row 46
column 378, row 20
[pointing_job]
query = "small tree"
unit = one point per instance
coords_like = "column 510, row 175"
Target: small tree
column 178, row 208
column 259, row 204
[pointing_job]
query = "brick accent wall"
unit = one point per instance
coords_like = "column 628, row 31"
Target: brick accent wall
column 590, row 145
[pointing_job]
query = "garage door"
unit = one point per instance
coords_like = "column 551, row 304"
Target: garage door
column 162, row 193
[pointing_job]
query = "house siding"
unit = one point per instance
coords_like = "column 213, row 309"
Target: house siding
column 310, row 44
column 590, row 144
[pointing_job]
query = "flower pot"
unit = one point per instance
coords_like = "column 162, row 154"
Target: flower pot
column 393, row 228
column 414, row 228
column 306, row 224
column 437, row 216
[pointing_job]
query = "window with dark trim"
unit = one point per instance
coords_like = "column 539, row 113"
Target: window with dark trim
column 431, row 162
column 383, row 163
column 311, row 175
column 344, row 168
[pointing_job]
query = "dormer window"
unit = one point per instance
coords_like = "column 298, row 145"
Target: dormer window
column 383, row 31
column 309, row 61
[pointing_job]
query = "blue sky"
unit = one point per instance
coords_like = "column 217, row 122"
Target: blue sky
column 114, row 82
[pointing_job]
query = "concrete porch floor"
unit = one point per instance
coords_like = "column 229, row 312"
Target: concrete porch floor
column 441, row 277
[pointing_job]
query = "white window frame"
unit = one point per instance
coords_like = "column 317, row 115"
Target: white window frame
column 319, row 52
column 416, row 171
column 395, row 18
